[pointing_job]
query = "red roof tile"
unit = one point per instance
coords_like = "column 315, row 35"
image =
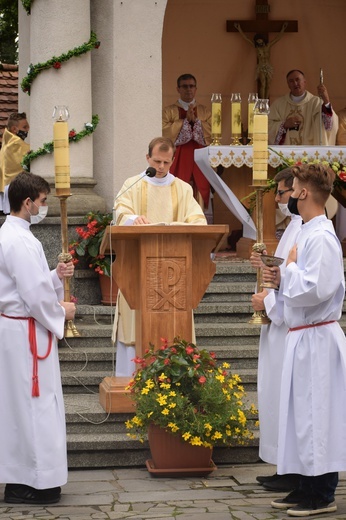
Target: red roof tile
column 8, row 93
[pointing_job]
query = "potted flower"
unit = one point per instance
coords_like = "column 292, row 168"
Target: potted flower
column 179, row 391
column 87, row 247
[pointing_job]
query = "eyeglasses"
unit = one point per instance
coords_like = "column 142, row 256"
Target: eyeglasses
column 281, row 192
column 187, row 86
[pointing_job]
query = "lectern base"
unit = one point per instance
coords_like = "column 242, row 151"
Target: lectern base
column 113, row 396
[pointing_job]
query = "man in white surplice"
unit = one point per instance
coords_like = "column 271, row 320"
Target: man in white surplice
column 33, row 461
column 163, row 198
column 272, row 346
column 312, row 421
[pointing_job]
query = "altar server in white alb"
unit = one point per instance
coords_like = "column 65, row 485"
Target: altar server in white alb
column 33, row 462
column 312, row 420
column 272, row 345
column 146, row 200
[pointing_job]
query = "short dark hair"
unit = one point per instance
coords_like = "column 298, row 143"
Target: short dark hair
column 14, row 118
column 26, row 185
column 185, row 76
column 319, row 177
column 165, row 144
column 285, row 175
column 295, row 70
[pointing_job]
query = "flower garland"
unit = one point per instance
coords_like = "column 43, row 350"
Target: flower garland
column 27, row 5
column 89, row 128
column 56, row 61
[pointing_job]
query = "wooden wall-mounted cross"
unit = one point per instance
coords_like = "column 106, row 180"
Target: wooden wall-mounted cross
column 262, row 26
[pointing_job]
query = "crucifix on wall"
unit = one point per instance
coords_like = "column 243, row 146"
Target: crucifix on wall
column 262, row 26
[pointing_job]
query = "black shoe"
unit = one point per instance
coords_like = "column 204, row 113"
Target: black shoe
column 22, row 494
column 267, row 478
column 293, row 499
column 286, row 482
column 309, row 509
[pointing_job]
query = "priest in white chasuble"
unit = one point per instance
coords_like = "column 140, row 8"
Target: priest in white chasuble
column 145, row 200
column 300, row 118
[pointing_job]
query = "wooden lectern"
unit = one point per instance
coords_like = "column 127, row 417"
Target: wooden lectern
column 163, row 272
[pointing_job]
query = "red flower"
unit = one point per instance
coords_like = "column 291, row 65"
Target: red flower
column 167, row 362
column 72, row 133
column 57, row 65
column 202, row 380
column 189, row 350
column 342, row 176
column 97, row 44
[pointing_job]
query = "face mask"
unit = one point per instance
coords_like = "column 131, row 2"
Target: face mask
column 284, row 209
column 42, row 212
column 23, row 135
column 292, row 205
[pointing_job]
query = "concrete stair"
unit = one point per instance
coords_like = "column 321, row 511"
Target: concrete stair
column 98, row 439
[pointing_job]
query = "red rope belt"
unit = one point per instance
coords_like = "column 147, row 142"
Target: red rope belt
column 33, row 349
column 312, row 325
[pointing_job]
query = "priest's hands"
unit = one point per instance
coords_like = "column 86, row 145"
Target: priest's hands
column 70, row 310
column 293, row 122
column 139, row 221
column 323, row 93
column 65, row 270
column 190, row 114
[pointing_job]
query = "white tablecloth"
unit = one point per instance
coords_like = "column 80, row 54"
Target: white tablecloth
column 242, row 155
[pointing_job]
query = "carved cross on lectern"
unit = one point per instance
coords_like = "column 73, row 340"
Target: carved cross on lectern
column 262, row 26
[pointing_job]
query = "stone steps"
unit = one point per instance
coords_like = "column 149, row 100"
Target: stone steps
column 98, row 439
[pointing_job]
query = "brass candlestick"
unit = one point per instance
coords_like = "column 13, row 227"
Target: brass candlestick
column 62, row 187
column 259, row 317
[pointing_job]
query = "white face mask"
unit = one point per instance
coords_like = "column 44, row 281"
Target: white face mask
column 42, row 212
column 284, row 209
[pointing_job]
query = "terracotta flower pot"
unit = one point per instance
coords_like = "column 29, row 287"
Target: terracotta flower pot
column 173, row 456
column 109, row 291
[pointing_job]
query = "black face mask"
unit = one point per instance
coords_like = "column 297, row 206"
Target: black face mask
column 292, row 205
column 23, row 135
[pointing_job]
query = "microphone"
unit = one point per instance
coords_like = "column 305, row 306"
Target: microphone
column 149, row 172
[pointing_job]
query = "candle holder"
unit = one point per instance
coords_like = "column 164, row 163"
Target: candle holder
column 216, row 101
column 236, row 119
column 253, row 97
column 62, row 188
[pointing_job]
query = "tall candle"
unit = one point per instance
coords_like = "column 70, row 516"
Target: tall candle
column 253, row 97
column 260, row 147
column 236, row 118
column 216, row 118
column 61, row 158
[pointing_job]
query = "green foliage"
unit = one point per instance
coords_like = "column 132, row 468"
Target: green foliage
column 88, row 244
column 8, row 31
column 181, row 389
column 47, row 148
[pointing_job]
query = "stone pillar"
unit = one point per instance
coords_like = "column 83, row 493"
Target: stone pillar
column 127, row 88
column 55, row 29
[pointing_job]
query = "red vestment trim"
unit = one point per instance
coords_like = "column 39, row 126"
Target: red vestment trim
column 312, row 325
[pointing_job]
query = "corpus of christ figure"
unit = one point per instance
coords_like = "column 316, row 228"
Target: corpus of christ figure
column 264, row 69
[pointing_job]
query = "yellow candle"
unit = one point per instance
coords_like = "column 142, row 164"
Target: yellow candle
column 260, row 147
column 216, row 118
column 236, row 118
column 250, row 117
column 61, row 158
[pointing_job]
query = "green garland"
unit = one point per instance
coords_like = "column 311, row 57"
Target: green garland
column 56, row 61
column 49, row 147
column 27, row 5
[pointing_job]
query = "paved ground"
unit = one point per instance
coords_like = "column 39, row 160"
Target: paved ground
column 229, row 493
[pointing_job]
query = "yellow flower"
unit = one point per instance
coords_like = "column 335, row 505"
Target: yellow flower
column 165, row 386
column 161, row 399
column 172, row 405
column 242, row 418
column 163, row 376
column 165, row 411
column 196, row 441
column 226, row 365
column 145, row 391
column 220, row 378
column 217, row 435
column 128, row 424
column 150, row 383
column 150, row 414
column 173, row 427
column 137, row 421
column 208, row 426
column 186, row 436
column 172, row 394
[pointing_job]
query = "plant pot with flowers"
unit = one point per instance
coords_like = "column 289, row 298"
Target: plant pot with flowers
column 87, row 248
column 186, row 405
